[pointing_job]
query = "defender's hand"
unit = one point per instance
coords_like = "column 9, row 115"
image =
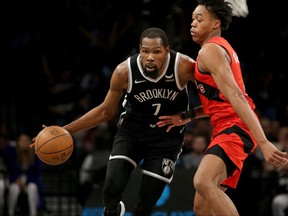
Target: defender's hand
column 172, row 121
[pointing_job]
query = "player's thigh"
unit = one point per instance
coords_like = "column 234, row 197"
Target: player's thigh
column 211, row 170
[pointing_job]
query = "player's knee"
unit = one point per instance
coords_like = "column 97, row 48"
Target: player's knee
column 196, row 209
column 200, row 184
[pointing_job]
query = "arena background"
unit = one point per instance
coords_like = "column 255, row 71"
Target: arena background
column 41, row 39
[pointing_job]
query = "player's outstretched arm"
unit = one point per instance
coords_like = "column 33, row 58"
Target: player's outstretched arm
column 172, row 121
column 181, row 118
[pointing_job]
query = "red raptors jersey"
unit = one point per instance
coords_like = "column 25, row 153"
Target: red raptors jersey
column 214, row 103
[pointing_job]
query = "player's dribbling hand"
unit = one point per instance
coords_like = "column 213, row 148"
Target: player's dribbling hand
column 33, row 140
column 172, row 121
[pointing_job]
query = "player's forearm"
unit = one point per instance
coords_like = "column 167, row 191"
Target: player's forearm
column 200, row 112
column 194, row 113
column 89, row 120
column 248, row 116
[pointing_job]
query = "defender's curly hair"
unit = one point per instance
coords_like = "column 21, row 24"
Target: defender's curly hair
column 221, row 9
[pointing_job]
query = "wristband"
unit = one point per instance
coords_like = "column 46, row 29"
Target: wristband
column 188, row 114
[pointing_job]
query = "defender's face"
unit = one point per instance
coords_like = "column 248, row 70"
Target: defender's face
column 202, row 24
column 153, row 55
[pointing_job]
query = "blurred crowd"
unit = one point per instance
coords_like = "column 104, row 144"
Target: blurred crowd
column 57, row 58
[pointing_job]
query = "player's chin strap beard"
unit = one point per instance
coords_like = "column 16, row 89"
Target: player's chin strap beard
column 154, row 74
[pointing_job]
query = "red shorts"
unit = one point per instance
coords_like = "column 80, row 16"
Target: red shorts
column 237, row 143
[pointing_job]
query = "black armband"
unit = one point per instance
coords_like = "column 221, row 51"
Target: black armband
column 190, row 114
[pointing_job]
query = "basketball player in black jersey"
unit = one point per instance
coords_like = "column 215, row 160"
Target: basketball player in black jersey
column 154, row 82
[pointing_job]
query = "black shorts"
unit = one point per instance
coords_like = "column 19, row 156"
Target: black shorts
column 155, row 150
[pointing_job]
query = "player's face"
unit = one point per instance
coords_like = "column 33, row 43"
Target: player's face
column 202, row 25
column 153, row 56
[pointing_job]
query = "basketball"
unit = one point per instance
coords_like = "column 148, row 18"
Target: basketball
column 54, row 145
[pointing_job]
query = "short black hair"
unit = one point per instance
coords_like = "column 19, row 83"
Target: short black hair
column 221, row 9
column 154, row 32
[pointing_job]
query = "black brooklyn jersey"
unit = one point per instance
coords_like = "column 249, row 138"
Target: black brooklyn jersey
column 138, row 137
column 146, row 98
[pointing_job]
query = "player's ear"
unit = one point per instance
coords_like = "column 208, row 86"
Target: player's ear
column 217, row 23
column 168, row 48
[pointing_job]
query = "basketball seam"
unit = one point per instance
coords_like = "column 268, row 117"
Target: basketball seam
column 56, row 163
column 58, row 158
column 51, row 139
column 56, row 151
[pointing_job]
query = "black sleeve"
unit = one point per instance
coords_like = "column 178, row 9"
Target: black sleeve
column 194, row 100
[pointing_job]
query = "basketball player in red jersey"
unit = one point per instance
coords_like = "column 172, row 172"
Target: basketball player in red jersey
column 236, row 128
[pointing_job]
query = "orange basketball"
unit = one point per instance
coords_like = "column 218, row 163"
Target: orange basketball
column 54, row 145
